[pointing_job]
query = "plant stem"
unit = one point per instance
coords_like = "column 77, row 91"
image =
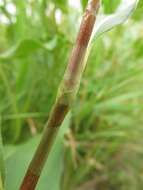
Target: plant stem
column 65, row 97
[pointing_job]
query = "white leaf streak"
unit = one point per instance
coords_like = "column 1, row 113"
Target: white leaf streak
column 119, row 17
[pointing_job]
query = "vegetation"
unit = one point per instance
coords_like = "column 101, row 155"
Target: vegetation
column 102, row 147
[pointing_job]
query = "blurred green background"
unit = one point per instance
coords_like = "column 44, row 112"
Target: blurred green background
column 103, row 146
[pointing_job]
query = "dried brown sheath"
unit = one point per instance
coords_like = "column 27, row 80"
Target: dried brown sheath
column 66, row 95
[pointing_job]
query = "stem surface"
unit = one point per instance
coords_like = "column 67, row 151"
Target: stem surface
column 65, row 97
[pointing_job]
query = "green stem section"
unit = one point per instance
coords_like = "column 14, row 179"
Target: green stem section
column 65, row 97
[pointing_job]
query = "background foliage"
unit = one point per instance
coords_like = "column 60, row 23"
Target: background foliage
column 103, row 146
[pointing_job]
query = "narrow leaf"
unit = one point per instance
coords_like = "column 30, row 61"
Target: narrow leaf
column 2, row 167
column 22, row 154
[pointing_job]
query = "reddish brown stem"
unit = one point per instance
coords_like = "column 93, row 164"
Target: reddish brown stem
column 66, row 95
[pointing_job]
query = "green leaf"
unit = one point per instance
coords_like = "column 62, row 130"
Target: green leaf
column 83, row 3
column 119, row 17
column 2, row 166
column 110, row 5
column 17, row 163
column 138, row 16
column 62, row 4
column 26, row 47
